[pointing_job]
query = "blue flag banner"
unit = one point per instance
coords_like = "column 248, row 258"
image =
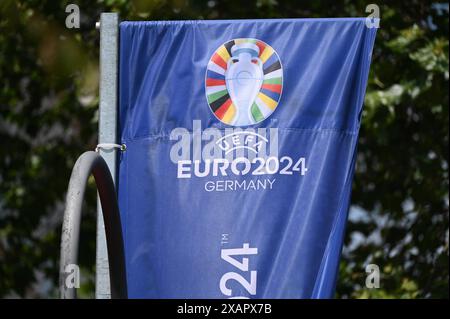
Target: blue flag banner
column 240, row 149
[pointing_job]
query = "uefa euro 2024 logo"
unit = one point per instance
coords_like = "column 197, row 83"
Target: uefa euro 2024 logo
column 244, row 81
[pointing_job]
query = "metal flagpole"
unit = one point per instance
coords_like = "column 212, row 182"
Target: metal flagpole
column 109, row 23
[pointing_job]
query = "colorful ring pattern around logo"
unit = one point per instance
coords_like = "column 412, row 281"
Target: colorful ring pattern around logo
column 269, row 95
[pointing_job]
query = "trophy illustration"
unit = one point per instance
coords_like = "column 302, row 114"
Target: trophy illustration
column 244, row 77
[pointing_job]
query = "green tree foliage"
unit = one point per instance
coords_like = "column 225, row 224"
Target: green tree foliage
column 48, row 116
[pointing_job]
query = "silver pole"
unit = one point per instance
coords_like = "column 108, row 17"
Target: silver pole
column 109, row 34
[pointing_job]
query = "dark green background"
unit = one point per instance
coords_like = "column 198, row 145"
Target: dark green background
column 48, row 116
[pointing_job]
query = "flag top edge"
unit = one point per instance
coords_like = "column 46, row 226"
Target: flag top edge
column 232, row 21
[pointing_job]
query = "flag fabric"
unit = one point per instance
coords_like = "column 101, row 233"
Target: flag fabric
column 241, row 142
